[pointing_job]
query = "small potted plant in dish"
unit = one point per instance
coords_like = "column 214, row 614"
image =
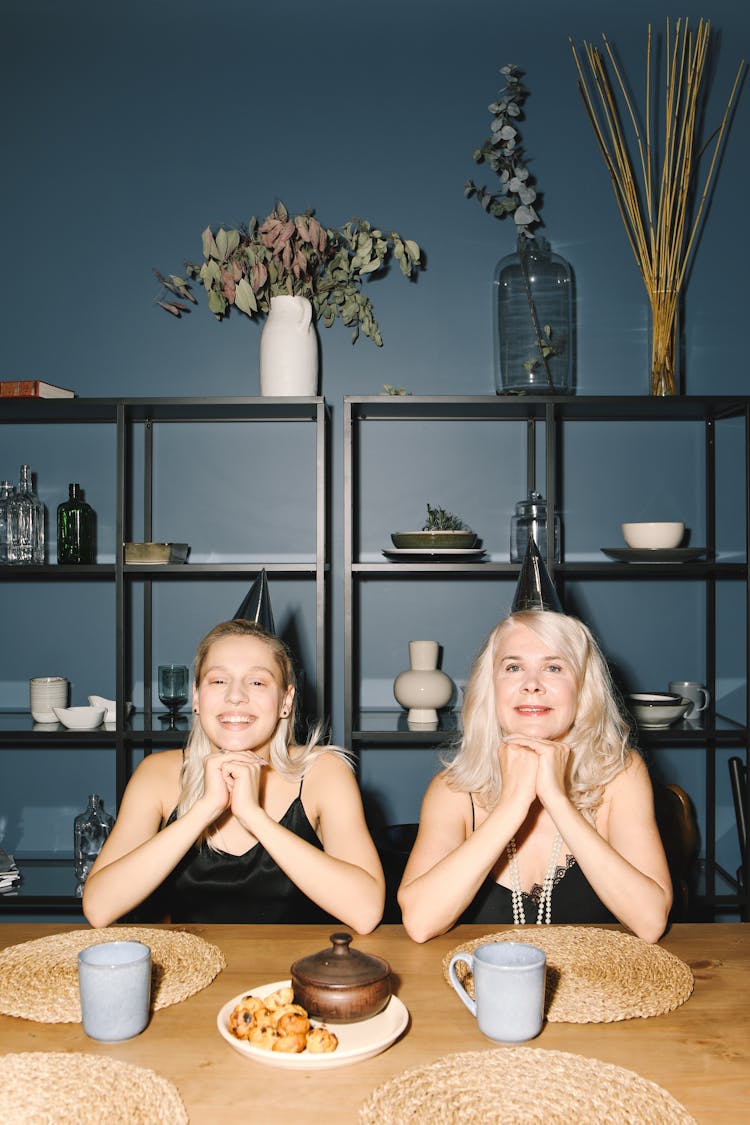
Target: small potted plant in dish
column 441, row 531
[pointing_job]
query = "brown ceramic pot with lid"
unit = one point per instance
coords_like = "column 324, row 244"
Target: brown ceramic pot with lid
column 341, row 985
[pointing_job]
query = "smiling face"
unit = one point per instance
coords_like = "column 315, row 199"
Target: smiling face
column 241, row 694
column 536, row 692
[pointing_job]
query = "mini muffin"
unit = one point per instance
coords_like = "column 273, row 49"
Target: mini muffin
column 320, row 1040
column 279, row 999
column 290, row 1044
column 293, row 1023
column 263, row 1037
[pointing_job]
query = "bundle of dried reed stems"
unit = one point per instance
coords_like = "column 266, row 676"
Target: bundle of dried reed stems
column 661, row 218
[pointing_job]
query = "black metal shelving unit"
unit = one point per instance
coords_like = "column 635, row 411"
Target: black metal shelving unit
column 385, row 729
column 48, row 883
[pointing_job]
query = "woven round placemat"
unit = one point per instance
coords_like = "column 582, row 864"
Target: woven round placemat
column 519, row 1085
column 595, row 976
column 39, row 979
column 61, row 1088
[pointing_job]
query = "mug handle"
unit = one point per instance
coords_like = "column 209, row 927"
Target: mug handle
column 468, row 959
column 704, row 704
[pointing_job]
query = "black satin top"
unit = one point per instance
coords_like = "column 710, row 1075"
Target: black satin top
column 574, row 900
column 215, row 886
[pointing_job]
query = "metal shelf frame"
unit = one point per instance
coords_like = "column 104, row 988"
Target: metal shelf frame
column 550, row 413
column 127, row 415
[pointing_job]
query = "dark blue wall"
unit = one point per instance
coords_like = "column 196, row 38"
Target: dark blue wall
column 127, row 129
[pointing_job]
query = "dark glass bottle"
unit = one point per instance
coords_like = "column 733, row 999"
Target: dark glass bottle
column 75, row 529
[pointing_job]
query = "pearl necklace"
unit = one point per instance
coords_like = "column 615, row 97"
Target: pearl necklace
column 544, row 913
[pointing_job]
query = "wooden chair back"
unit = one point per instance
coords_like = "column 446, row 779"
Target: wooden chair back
column 678, row 828
column 738, row 780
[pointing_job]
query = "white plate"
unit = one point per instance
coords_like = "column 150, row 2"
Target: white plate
column 357, row 1041
column 433, row 552
column 654, row 554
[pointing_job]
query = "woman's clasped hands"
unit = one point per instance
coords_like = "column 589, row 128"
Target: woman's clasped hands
column 233, row 781
column 533, row 768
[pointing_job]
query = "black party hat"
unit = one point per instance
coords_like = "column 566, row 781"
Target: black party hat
column 257, row 605
column 535, row 589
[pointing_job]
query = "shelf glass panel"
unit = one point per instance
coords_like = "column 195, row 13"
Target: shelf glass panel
column 42, row 879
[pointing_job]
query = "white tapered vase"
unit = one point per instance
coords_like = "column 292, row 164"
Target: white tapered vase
column 289, row 349
column 423, row 688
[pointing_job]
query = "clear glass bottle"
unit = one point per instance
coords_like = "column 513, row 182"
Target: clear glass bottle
column 75, row 529
column 6, row 534
column 38, row 522
column 23, row 519
column 530, row 521
column 533, row 321
column 90, row 830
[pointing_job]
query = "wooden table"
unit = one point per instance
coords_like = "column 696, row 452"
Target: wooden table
column 700, row 1053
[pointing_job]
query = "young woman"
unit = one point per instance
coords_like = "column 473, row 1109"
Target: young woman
column 244, row 825
column 545, row 813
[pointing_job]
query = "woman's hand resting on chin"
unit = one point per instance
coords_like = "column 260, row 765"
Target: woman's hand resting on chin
column 523, row 757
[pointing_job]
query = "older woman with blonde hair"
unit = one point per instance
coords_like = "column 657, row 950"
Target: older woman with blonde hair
column 245, row 824
column 546, row 812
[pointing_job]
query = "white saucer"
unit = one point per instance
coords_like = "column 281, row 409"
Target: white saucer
column 357, row 1041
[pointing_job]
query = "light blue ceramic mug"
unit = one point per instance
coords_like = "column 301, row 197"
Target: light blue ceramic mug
column 114, row 980
column 509, row 979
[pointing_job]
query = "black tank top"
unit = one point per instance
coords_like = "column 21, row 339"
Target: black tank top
column 215, row 886
column 574, row 900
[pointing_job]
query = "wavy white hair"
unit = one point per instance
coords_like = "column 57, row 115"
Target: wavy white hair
column 599, row 738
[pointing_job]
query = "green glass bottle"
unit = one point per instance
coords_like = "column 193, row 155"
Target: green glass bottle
column 75, row 529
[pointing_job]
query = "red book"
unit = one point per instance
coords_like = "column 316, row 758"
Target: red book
column 32, row 388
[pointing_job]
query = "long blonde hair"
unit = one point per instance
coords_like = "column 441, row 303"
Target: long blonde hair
column 287, row 756
column 599, row 737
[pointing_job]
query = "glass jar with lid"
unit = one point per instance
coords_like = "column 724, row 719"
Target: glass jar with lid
column 530, row 522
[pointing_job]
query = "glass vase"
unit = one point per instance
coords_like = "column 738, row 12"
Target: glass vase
column 533, row 321
column 664, row 343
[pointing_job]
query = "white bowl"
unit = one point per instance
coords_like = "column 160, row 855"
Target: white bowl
column 656, row 708
column 110, row 707
column 80, row 718
column 653, row 536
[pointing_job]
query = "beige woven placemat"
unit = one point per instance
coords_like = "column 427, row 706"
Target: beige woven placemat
column 60, row 1088
column 39, row 979
column 519, row 1085
column 596, row 976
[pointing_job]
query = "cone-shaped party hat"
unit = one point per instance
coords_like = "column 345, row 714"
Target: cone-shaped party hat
column 535, row 589
column 257, row 605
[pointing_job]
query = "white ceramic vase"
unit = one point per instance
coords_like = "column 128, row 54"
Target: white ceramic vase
column 289, row 349
column 423, row 687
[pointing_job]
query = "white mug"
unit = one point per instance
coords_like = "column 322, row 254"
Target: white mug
column 114, row 979
column 46, row 692
column 509, row 981
column 693, row 691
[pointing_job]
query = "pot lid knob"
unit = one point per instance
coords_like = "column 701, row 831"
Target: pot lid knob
column 341, row 965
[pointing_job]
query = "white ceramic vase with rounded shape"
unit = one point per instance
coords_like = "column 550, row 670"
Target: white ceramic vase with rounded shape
column 423, row 687
column 289, row 349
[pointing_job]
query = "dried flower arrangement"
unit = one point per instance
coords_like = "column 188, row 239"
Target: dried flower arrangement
column 660, row 226
column 295, row 256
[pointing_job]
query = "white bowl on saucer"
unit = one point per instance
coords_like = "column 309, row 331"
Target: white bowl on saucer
column 657, row 709
column 653, row 536
column 80, row 718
